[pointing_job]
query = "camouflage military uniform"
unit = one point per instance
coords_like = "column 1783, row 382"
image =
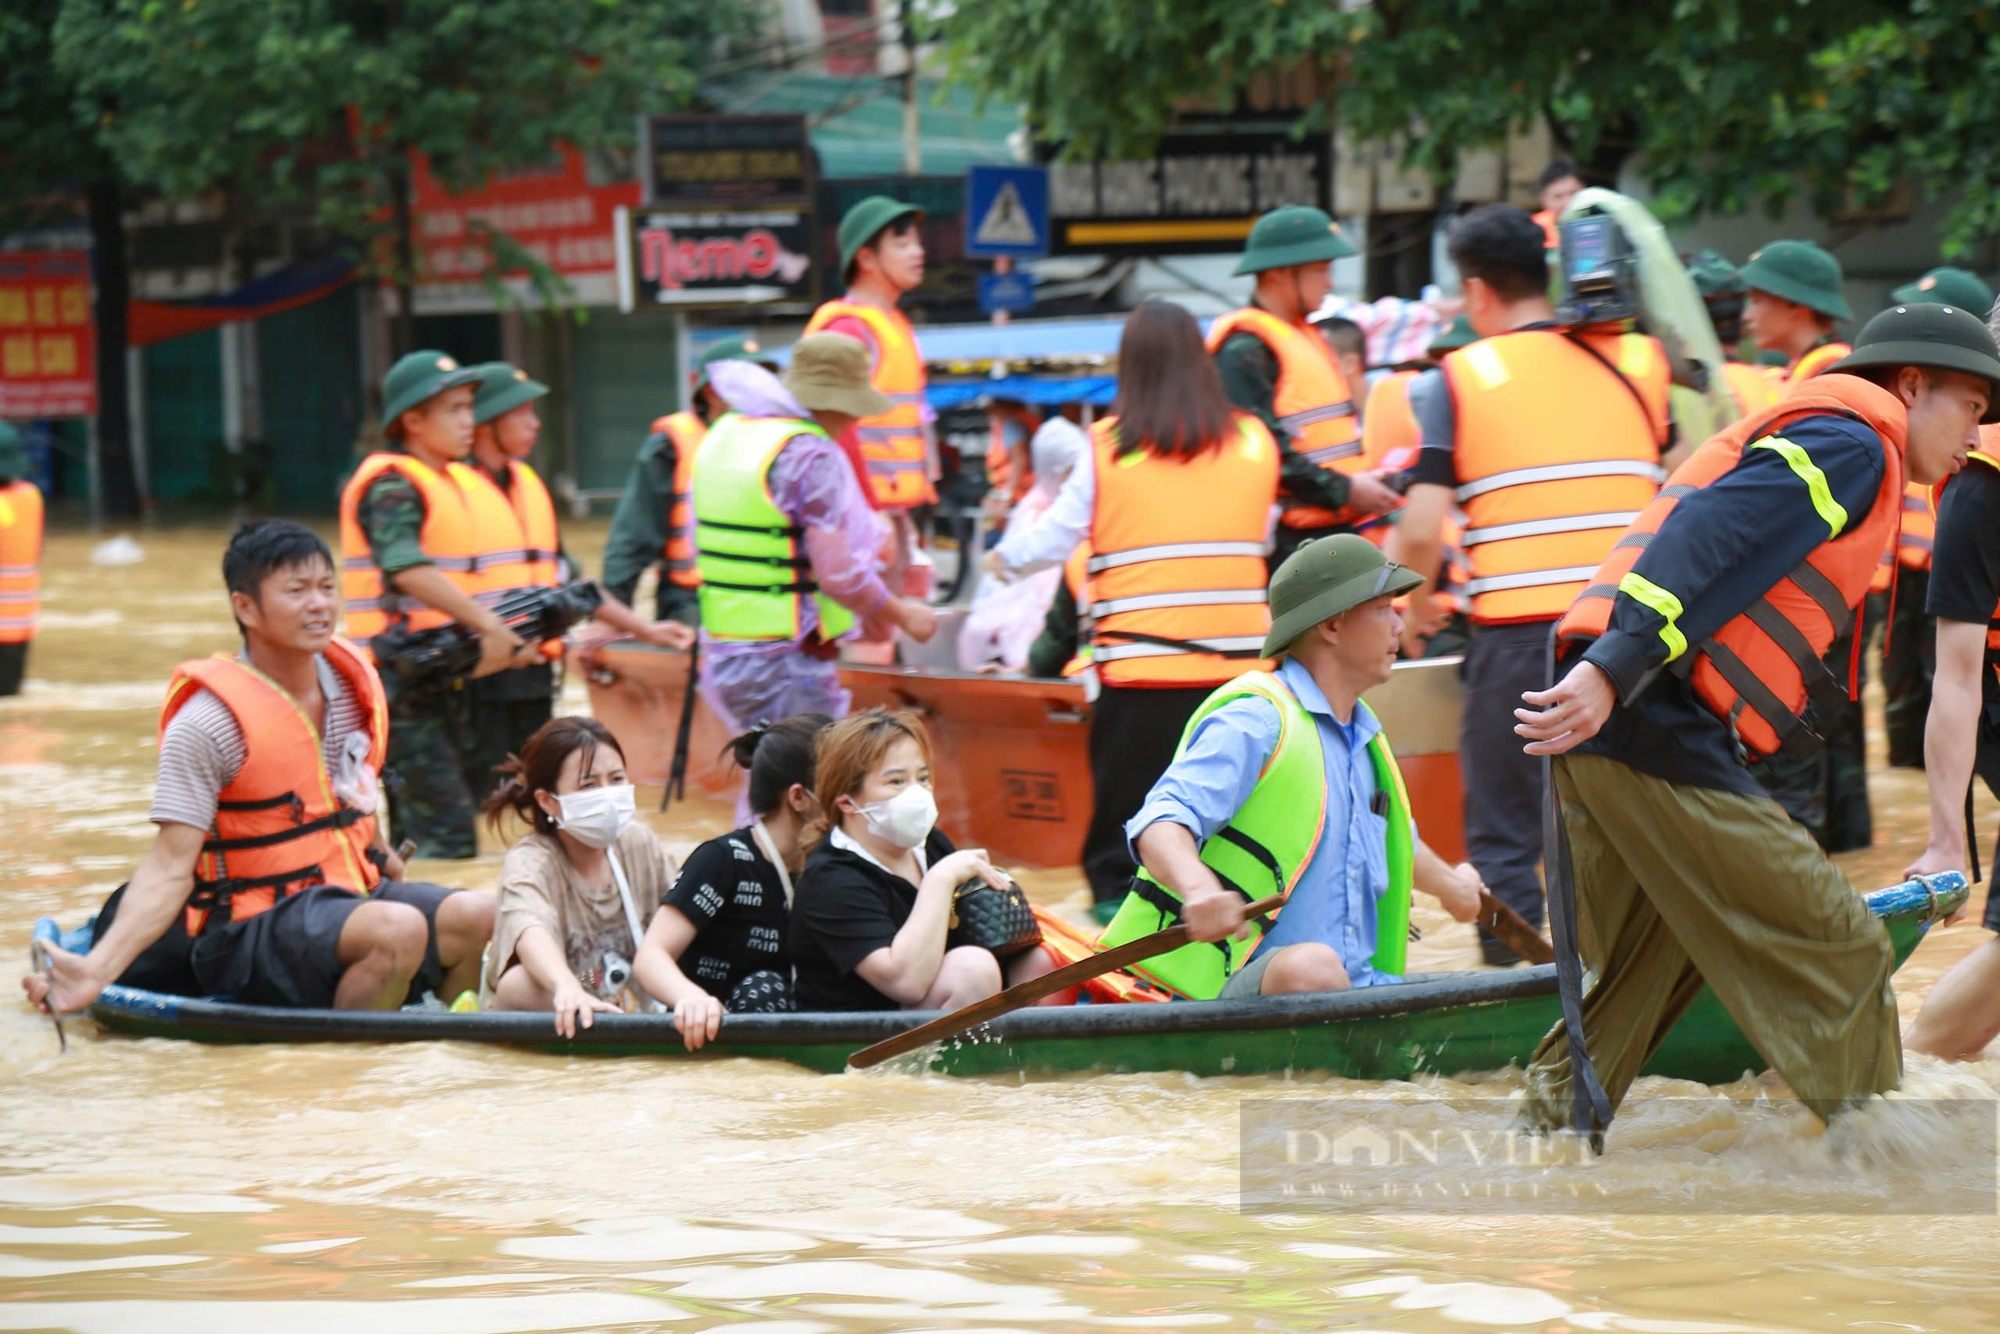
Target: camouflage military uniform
column 429, row 799
column 638, row 539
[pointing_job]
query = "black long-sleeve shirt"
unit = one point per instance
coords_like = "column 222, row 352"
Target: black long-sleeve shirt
column 1249, row 371
column 1724, row 547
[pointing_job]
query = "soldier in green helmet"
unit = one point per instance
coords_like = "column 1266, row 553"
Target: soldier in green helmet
column 1275, row 365
column 652, row 524
column 1795, row 300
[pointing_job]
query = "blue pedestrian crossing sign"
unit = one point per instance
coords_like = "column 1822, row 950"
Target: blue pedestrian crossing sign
column 1006, row 212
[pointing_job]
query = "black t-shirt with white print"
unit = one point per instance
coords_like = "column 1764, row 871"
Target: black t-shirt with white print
column 734, row 896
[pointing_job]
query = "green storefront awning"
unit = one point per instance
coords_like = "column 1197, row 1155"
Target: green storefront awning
column 857, row 121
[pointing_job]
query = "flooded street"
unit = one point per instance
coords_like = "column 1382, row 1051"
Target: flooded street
column 162, row 1186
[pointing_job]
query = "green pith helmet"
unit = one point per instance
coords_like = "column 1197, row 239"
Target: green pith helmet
column 1947, row 287
column 1452, row 337
column 1326, row 577
column 503, row 387
column 865, row 221
column 418, row 378
column 13, row 454
column 1935, row 337
column 1801, row 272
column 1285, row 237
column 730, row 349
column 1713, row 275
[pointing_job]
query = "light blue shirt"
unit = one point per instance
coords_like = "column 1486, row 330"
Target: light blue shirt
column 1334, row 901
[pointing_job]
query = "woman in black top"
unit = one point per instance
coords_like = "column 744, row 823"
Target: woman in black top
column 717, row 942
column 874, row 904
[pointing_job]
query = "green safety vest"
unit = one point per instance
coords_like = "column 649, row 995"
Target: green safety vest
column 1267, row 846
column 755, row 574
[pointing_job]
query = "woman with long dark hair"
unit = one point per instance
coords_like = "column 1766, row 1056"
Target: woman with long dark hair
column 1174, row 499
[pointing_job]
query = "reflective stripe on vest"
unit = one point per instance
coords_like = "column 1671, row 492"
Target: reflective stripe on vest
column 1759, row 671
column 515, row 530
column 278, row 827
column 1176, row 579
column 755, row 571
column 1266, row 847
column 1555, row 456
column 1313, row 402
column 1919, row 531
column 21, row 521
column 684, row 431
column 892, row 443
column 448, row 539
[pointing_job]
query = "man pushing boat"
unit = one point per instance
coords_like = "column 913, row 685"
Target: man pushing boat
column 1285, row 782
column 1698, row 642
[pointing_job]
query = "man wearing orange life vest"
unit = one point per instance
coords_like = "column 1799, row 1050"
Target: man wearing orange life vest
column 520, row 547
column 1556, row 186
column 1274, row 364
column 20, row 559
column 409, row 557
column 1698, row 640
column 882, row 260
column 654, row 522
column 268, row 881
column 1550, row 440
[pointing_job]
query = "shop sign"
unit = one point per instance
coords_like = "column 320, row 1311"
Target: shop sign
column 48, row 340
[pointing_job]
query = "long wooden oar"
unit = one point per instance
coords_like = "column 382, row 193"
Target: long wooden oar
column 1513, row 930
column 1027, row 993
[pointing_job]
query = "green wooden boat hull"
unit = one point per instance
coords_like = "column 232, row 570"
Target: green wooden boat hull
column 1442, row 1024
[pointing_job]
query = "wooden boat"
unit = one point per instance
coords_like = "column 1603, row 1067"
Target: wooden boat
column 1013, row 759
column 1442, row 1024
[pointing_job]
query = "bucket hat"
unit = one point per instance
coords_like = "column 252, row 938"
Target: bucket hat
column 1798, row 271
column 1713, row 275
column 1947, row 287
column 1326, row 577
column 865, row 221
column 1936, row 337
column 829, row 373
column 503, row 387
column 419, row 377
column 1285, row 237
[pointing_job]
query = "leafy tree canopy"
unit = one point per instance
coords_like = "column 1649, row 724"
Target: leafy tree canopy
column 1728, row 103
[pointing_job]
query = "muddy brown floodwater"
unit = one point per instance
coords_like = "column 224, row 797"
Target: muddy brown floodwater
column 438, row 1189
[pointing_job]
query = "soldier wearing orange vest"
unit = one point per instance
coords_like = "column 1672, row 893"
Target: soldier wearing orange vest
column 1697, row 641
column 1795, row 300
column 1549, row 439
column 519, row 546
column 1274, row 364
column 1556, row 186
column 20, row 559
column 653, row 524
column 1174, row 498
column 1722, row 292
column 269, row 881
column 410, row 557
column 881, row 261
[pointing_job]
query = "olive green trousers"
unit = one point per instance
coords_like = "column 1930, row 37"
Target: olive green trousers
column 1678, row 885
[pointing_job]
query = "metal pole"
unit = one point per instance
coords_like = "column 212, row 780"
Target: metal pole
column 1002, row 264
column 913, row 149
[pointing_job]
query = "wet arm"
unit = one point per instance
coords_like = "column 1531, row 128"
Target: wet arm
column 1951, row 738
column 159, row 888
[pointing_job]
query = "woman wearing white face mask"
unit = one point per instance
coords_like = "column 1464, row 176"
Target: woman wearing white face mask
column 874, row 905
column 576, row 893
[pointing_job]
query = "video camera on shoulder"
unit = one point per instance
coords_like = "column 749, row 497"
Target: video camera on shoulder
column 414, row 663
column 1600, row 272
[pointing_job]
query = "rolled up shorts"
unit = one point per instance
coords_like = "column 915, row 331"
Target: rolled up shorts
column 288, row 955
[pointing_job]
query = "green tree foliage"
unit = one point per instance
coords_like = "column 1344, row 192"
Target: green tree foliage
column 1728, row 103
column 326, row 99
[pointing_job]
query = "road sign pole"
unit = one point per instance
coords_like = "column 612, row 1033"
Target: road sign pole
column 1004, row 264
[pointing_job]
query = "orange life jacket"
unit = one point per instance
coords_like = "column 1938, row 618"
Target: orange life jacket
column 1076, row 577
column 278, row 826
column 1751, row 387
column 1390, row 439
column 1759, row 670
column 1551, row 230
column 685, row 431
column 1000, row 461
column 20, row 561
column 519, row 546
column 892, row 444
column 1065, row 945
column 1312, row 403
column 1177, row 574
column 1814, row 362
column 1556, row 453
column 448, row 539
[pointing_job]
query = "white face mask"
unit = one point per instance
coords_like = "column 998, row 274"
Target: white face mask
column 596, row 816
column 904, row 819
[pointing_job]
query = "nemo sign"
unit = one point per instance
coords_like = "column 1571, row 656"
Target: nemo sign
column 687, row 258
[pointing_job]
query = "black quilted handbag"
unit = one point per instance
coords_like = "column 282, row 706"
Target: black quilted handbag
column 999, row 920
